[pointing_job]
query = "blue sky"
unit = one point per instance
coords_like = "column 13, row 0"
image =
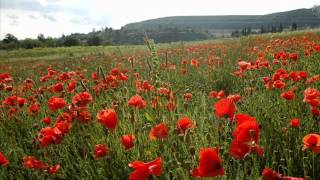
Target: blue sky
column 28, row 18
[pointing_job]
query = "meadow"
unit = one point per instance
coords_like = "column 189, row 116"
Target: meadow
column 241, row 108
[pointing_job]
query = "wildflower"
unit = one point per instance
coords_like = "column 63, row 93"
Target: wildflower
column 82, row 99
column 56, row 103
column 31, row 162
column 215, row 94
column 54, row 169
column 225, row 108
column 108, row 118
column 3, row 160
column 159, row 131
column 210, row 164
column 46, row 120
column 34, row 108
column 184, row 124
column 312, row 141
column 127, row 141
column 187, row 96
column 295, row 123
column 279, row 84
column 269, row 174
column 137, row 102
column 289, row 95
column 100, row 150
column 142, row 170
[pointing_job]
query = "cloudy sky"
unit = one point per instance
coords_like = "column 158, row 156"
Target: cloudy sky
column 28, row 18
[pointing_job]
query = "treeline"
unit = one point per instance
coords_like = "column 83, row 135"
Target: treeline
column 105, row 36
column 263, row 29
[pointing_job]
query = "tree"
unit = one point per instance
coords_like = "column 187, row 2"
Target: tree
column 249, row 30
column 30, row 43
column 316, row 10
column 94, row 40
column 280, row 28
column 273, row 29
column 9, row 38
column 294, row 26
column 262, row 29
column 41, row 38
column 71, row 41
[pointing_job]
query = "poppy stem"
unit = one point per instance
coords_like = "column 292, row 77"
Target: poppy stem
column 84, row 86
column 102, row 73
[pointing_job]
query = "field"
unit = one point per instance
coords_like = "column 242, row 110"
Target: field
column 244, row 108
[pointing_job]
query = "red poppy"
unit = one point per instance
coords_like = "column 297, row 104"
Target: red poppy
column 46, row 120
column 184, row 124
column 187, row 96
column 49, row 135
column 279, row 84
column 5, row 78
column 247, row 131
column 21, row 101
column 94, row 76
column 243, row 65
column 239, row 150
column 31, row 162
column 82, row 99
column 234, row 97
column 54, row 169
column 56, row 103
column 63, row 127
column 303, row 74
column 311, row 93
column 210, row 164
column 164, row 91
column 14, row 100
column 313, row 79
column 71, row 86
column 108, row 118
column 289, row 95
column 159, row 131
column 143, row 170
column 127, row 141
column 3, row 160
column 295, row 123
column 225, row 108
column 312, row 141
column 215, row 94
column 269, row 174
column 171, row 105
column 64, row 117
column 246, row 137
column 315, row 111
column 34, row 108
column 194, row 62
column 137, row 101
column 57, row 87
column 144, row 86
column 8, row 88
column 101, row 150
column 84, row 115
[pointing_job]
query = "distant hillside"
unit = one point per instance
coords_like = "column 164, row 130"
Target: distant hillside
column 180, row 28
column 302, row 17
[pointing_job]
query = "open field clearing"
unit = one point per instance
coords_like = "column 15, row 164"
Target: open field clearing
column 239, row 108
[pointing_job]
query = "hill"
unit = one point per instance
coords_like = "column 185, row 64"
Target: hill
column 302, row 17
column 179, row 28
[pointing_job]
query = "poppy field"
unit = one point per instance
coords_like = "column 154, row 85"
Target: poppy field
column 245, row 108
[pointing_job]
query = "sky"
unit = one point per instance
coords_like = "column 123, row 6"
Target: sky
column 28, row 18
